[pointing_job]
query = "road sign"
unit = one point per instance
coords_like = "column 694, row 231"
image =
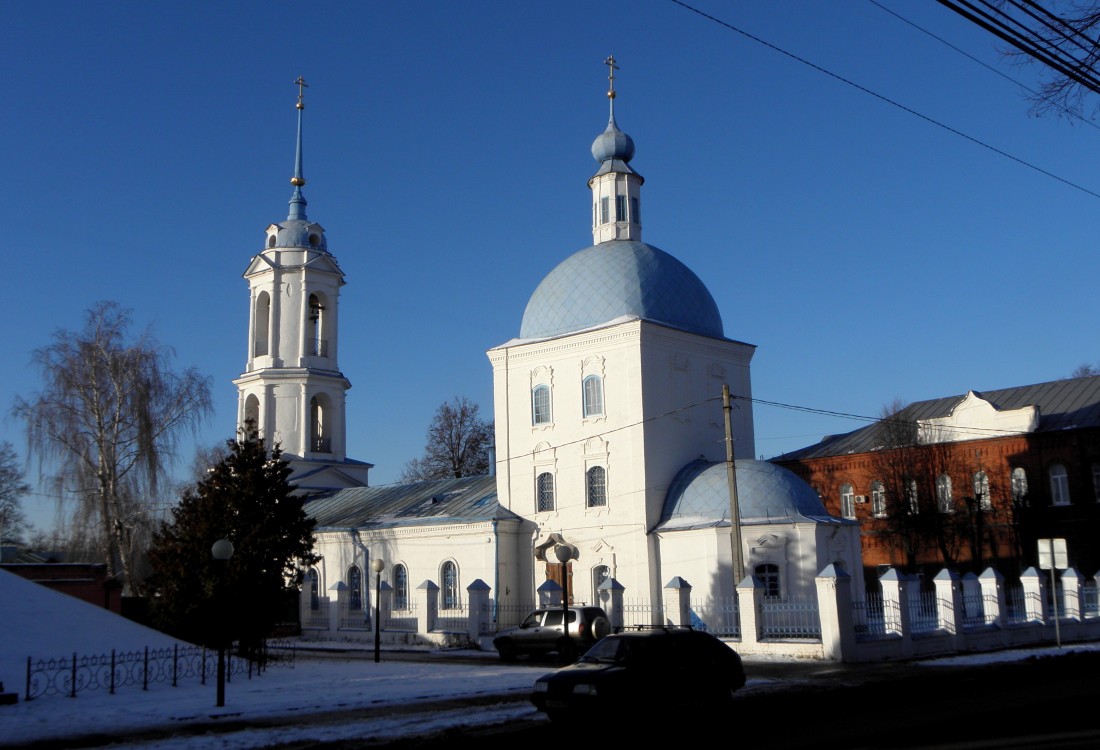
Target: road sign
column 1052, row 554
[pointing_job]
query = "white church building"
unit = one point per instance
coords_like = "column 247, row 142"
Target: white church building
column 612, row 437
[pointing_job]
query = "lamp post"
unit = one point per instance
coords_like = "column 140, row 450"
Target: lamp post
column 564, row 555
column 222, row 551
column 376, row 565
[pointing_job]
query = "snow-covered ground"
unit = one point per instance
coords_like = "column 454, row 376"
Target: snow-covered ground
column 41, row 623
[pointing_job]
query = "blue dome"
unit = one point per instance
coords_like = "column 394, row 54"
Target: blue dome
column 613, row 144
column 299, row 233
column 699, row 495
column 618, row 278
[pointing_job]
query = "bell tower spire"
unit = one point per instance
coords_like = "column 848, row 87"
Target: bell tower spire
column 616, row 187
column 297, row 200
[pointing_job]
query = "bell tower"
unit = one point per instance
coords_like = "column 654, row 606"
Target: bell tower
column 292, row 391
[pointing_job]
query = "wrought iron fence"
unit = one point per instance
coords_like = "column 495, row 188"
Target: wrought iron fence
column 638, row 613
column 718, row 616
column 402, row 620
column 80, row 673
column 510, row 615
column 454, row 619
column 924, row 613
column 316, row 617
column 796, row 617
column 1090, row 607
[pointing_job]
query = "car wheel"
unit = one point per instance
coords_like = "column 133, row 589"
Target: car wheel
column 507, row 651
column 600, row 627
column 567, row 651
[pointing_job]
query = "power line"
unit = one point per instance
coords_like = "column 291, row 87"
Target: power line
column 1038, row 94
column 887, row 100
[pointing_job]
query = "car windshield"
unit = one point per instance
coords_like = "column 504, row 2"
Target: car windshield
column 617, row 649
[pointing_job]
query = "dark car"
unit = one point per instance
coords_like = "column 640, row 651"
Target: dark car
column 541, row 633
column 643, row 669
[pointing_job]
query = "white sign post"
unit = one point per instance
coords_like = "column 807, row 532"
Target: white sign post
column 1052, row 555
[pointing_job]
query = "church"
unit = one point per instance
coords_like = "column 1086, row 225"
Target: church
column 623, row 433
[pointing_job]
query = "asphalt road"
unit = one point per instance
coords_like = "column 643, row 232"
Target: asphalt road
column 1048, row 702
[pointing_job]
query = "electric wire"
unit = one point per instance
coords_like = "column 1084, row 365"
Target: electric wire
column 889, row 101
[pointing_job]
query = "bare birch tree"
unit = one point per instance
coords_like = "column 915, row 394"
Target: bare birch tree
column 105, row 426
column 13, row 523
column 457, row 444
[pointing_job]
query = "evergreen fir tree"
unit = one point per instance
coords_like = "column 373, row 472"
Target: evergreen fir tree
column 246, row 499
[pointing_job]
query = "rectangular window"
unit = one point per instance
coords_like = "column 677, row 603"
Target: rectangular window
column 847, row 502
column 620, row 208
column 634, row 215
column 605, row 210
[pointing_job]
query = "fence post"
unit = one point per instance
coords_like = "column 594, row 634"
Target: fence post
column 678, row 602
column 994, row 598
column 477, row 621
column 834, row 606
column 549, row 593
column 1034, row 585
column 338, row 605
column 427, row 606
column 896, row 597
column 1071, row 594
column 611, row 596
column 949, row 606
column 750, row 595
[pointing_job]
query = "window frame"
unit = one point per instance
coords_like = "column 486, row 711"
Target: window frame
column 847, row 501
column 544, row 496
column 768, row 575
column 595, row 487
column 1058, row 475
column 541, row 413
column 355, row 588
column 944, row 500
column 878, row 499
column 400, row 587
column 448, row 585
column 592, row 396
column 980, row 482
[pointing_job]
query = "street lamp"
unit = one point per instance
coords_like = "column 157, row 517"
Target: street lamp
column 376, row 565
column 564, row 553
column 222, row 551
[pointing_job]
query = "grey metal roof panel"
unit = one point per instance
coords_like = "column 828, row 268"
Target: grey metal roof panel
column 1072, row 403
column 433, row 502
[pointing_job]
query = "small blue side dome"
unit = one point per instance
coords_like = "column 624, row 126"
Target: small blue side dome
column 699, row 495
column 615, row 279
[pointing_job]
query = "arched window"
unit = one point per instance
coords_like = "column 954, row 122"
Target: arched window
column 596, row 487
column 317, row 325
column 912, row 497
column 400, row 587
column 768, row 573
column 1059, row 485
column 593, row 396
column 847, row 501
column 540, row 404
column 981, row 490
column 261, row 325
column 313, row 581
column 1019, row 485
column 449, row 575
column 600, row 573
column 252, row 413
column 878, row 500
column 544, row 491
column 943, row 493
column 355, row 588
column 319, row 441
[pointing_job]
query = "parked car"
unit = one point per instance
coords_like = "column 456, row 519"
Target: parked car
column 643, row 669
column 541, row 633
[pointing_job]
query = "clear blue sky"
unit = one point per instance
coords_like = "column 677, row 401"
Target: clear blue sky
column 868, row 252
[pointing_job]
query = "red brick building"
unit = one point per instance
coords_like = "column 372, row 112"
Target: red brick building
column 969, row 482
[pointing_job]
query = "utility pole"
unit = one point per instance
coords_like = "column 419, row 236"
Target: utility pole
column 731, row 477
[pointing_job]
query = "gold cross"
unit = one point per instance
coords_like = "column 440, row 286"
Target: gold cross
column 611, row 68
column 301, row 84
